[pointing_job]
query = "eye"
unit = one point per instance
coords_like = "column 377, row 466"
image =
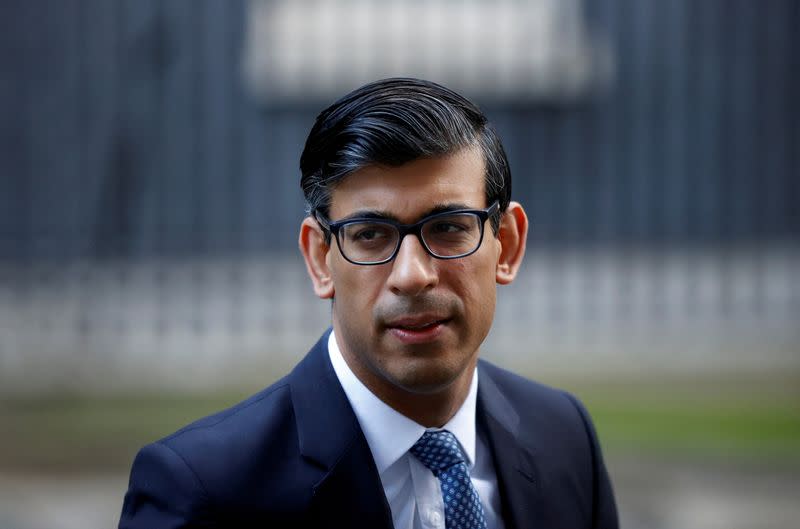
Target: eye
column 365, row 233
column 448, row 226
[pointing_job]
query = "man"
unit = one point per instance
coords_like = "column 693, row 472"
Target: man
column 391, row 420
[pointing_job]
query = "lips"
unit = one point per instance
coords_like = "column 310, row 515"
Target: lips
column 417, row 322
column 418, row 329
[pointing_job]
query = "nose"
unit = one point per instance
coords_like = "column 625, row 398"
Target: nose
column 413, row 269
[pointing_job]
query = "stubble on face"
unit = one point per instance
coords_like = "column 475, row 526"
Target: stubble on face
column 464, row 293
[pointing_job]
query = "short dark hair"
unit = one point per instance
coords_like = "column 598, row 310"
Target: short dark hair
column 393, row 122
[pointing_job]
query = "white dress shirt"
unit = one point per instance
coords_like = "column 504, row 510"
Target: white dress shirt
column 411, row 489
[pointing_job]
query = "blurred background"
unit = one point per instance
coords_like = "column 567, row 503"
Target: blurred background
column 150, row 205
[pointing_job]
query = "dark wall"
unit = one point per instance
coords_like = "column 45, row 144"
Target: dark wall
column 126, row 132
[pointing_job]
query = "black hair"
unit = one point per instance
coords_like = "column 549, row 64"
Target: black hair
column 393, row 122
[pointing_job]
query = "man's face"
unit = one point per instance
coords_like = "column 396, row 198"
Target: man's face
column 415, row 323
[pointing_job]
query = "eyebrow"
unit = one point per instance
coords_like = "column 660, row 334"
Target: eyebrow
column 385, row 215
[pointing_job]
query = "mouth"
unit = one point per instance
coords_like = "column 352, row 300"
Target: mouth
column 417, row 329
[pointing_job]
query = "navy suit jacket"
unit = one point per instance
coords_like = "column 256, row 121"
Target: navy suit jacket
column 294, row 455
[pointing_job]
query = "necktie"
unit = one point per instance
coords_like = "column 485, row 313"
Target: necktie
column 441, row 453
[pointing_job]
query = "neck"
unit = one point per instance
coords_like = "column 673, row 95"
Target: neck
column 431, row 407
column 434, row 409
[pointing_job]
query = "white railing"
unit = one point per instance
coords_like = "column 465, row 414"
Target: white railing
column 195, row 323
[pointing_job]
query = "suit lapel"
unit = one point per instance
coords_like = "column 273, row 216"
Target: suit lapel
column 351, row 494
column 517, row 476
column 348, row 492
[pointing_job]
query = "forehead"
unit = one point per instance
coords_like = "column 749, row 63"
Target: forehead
column 407, row 191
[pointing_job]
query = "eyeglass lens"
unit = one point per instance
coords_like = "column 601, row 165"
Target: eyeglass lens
column 445, row 236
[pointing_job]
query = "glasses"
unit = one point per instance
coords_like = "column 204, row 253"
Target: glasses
column 447, row 235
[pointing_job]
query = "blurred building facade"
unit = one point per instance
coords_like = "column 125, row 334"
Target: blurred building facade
column 150, row 200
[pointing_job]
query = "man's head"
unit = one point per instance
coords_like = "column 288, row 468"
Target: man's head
column 396, row 152
column 392, row 122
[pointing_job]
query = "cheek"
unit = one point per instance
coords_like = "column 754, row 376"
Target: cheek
column 357, row 287
column 474, row 282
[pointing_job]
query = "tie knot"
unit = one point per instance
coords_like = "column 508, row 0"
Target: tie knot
column 438, row 451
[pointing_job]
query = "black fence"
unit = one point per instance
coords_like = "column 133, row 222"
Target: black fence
column 127, row 132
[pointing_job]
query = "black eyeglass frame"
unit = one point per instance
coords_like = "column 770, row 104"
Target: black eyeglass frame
column 404, row 229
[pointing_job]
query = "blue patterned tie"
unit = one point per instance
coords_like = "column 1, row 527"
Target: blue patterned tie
column 441, row 453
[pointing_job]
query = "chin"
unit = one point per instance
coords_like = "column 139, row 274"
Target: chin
column 424, row 376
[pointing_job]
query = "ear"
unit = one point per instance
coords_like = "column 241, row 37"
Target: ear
column 512, row 236
column 315, row 252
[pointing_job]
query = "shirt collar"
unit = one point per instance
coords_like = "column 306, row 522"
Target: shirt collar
column 389, row 433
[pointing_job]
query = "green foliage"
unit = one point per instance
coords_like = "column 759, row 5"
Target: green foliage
column 751, row 419
column 754, row 420
column 67, row 433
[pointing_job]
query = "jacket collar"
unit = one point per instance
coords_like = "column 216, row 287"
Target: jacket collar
column 517, row 474
column 349, row 489
column 326, row 424
column 348, row 492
